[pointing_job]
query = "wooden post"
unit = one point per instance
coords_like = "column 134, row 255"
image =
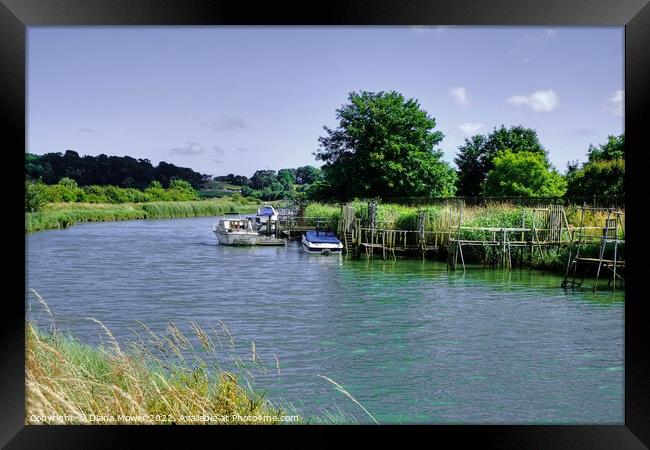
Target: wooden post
column 603, row 245
column 462, row 259
column 614, row 268
column 503, row 256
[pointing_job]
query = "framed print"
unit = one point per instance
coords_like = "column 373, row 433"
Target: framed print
column 395, row 217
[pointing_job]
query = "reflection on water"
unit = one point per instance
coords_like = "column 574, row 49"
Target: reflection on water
column 409, row 340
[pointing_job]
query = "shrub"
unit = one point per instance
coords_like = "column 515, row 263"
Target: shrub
column 35, row 196
column 156, row 192
column 181, row 190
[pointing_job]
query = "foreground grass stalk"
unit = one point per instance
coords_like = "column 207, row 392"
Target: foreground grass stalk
column 71, row 383
column 347, row 394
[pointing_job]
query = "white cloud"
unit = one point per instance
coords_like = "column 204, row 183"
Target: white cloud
column 616, row 103
column 539, row 101
column 470, row 128
column 190, row 148
column 460, row 95
column 87, row 130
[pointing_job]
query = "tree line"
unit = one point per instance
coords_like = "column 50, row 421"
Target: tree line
column 120, row 171
column 271, row 185
column 387, row 146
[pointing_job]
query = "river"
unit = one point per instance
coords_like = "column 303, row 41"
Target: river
column 410, row 341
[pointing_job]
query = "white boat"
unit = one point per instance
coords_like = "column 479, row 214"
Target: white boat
column 266, row 219
column 235, row 231
column 321, row 242
column 266, row 213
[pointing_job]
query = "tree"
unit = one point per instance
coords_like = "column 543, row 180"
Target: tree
column 475, row 158
column 523, row 174
column 603, row 173
column 105, row 170
column 287, row 177
column 598, row 178
column 614, row 148
column 238, row 180
column 262, row 179
column 471, row 163
column 308, row 174
column 384, row 147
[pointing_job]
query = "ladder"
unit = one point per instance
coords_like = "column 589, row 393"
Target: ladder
column 612, row 233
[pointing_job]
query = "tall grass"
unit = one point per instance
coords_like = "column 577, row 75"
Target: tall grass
column 68, row 382
column 159, row 378
column 168, row 210
column 65, row 215
column 443, row 217
column 62, row 215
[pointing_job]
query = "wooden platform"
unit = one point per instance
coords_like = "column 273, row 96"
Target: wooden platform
column 608, row 262
column 270, row 241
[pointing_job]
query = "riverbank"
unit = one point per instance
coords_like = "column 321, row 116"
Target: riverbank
column 446, row 217
column 63, row 215
column 71, row 383
column 388, row 216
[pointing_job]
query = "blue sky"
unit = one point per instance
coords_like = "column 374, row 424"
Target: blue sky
column 236, row 99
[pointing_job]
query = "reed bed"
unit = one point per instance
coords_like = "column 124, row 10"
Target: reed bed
column 444, row 217
column 63, row 215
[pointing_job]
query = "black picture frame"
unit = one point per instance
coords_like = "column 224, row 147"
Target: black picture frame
column 16, row 15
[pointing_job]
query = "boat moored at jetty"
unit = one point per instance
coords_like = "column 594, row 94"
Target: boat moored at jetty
column 235, row 231
column 267, row 212
column 322, row 242
column 266, row 219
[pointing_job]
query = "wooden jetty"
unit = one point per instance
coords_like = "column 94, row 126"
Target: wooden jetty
column 549, row 228
column 376, row 237
column 612, row 234
column 542, row 229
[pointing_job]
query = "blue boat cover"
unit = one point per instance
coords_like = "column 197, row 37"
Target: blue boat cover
column 322, row 237
column 265, row 211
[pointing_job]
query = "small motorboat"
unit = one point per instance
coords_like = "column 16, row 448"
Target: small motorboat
column 266, row 219
column 323, row 242
column 267, row 212
column 235, row 231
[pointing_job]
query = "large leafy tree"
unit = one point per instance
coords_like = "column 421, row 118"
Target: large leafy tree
column 308, row 174
column 287, row 177
column 263, row 178
column 472, row 165
column 475, row 158
column 384, row 146
column 523, row 174
column 603, row 173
